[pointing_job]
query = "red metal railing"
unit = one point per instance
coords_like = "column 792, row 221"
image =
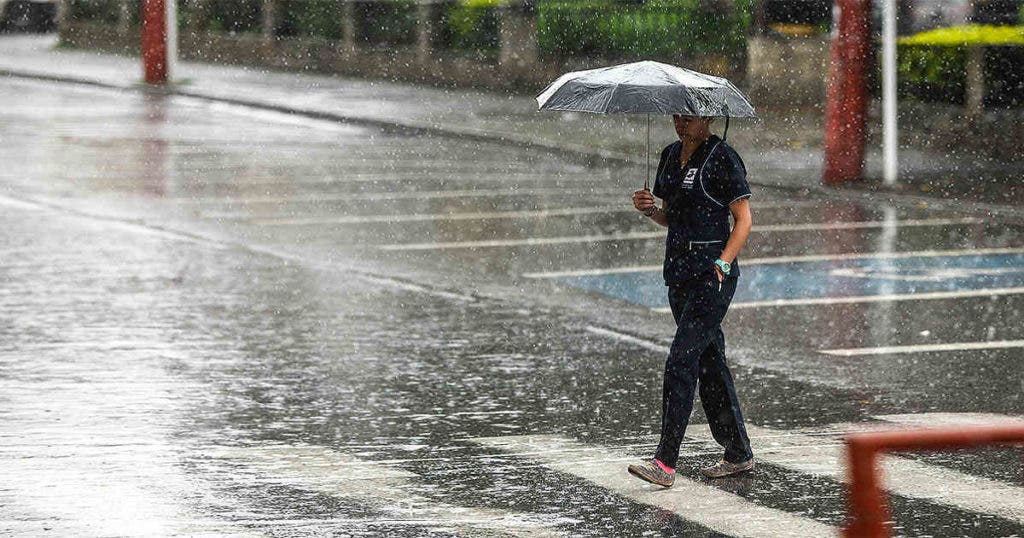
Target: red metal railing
column 868, row 508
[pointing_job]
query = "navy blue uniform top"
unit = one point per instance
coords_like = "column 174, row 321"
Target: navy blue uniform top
column 697, row 197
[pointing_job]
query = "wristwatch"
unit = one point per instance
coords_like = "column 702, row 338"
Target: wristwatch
column 724, row 266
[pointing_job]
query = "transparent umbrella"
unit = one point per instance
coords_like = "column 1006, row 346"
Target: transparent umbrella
column 646, row 88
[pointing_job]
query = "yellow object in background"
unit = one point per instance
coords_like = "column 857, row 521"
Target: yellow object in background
column 794, row 29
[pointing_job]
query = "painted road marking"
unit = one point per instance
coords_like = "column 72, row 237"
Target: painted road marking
column 937, row 420
column 402, row 195
column 130, row 226
column 484, row 215
column 596, row 272
column 789, row 259
column 375, row 279
column 246, row 178
column 385, row 487
column 631, row 236
column 818, row 282
column 934, row 275
column 923, row 348
column 411, row 286
column 992, row 292
column 529, row 241
column 283, row 199
column 218, row 244
column 692, row 500
column 20, row 204
column 857, row 225
column 441, row 174
column 622, row 337
column 818, row 453
column 469, row 215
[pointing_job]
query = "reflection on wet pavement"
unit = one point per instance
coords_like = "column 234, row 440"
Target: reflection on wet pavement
column 202, row 336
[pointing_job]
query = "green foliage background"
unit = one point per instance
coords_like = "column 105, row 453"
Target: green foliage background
column 932, row 64
column 236, row 16
column 657, row 28
column 311, row 18
column 473, row 25
column 106, row 11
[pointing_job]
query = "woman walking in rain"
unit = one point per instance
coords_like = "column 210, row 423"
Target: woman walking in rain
column 701, row 181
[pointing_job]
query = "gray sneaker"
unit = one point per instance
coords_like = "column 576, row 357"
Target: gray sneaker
column 650, row 471
column 724, row 468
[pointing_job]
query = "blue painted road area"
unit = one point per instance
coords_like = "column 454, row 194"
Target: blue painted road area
column 861, row 277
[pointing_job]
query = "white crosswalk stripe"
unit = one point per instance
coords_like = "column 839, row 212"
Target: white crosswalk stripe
column 471, row 215
column 780, row 260
column 924, row 348
column 695, row 501
column 884, row 298
column 385, row 487
column 376, row 196
column 940, row 420
column 821, row 453
column 645, row 235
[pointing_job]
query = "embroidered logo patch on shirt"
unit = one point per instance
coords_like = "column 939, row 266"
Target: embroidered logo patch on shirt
column 691, row 174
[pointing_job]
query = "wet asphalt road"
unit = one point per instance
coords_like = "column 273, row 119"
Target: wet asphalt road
column 219, row 321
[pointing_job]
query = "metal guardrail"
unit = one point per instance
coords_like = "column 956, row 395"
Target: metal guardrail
column 869, row 515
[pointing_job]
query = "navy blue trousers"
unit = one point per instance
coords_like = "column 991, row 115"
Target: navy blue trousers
column 697, row 358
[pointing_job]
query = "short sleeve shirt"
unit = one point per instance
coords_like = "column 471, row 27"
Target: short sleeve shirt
column 697, row 195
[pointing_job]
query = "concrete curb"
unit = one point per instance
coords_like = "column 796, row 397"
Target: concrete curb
column 585, row 154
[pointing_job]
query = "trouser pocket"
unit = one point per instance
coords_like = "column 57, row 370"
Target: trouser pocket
column 692, row 245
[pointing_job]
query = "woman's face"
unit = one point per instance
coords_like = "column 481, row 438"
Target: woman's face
column 690, row 127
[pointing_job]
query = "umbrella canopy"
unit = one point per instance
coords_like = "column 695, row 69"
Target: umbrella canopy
column 646, row 88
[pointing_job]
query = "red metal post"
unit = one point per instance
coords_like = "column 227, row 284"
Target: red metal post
column 847, row 99
column 154, row 41
column 868, row 509
column 867, row 512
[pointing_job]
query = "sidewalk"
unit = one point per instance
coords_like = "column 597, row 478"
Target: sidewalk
column 780, row 150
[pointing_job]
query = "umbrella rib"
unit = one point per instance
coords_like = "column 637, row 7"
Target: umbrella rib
column 611, row 94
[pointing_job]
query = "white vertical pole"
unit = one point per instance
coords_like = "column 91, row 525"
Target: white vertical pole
column 889, row 139
column 171, row 7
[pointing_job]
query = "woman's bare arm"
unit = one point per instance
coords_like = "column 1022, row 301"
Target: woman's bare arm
column 659, row 214
column 741, row 229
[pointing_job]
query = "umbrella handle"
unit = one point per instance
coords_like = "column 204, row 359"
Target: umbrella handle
column 647, row 173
